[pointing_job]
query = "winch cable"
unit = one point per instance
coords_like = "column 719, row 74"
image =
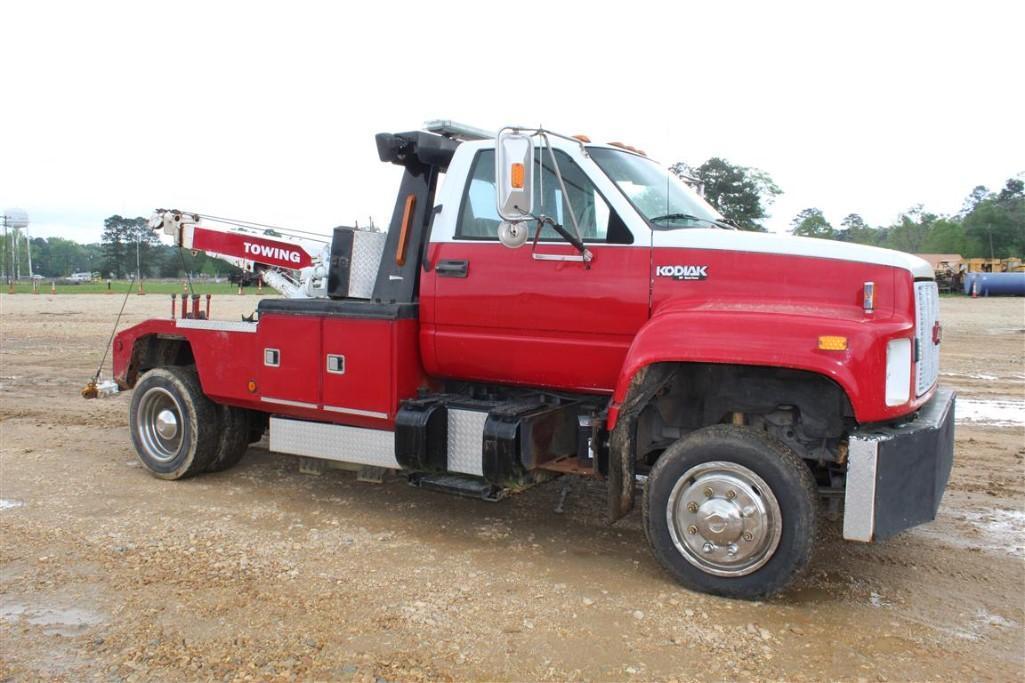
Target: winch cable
column 188, row 275
column 90, row 389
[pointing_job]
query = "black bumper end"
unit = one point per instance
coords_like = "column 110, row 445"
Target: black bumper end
column 896, row 475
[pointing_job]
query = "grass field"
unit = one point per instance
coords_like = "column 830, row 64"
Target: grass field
column 149, row 286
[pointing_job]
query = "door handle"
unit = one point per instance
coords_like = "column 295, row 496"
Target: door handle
column 452, row 268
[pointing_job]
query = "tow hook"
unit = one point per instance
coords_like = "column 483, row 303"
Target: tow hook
column 100, row 390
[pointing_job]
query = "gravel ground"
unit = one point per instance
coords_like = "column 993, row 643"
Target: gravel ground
column 263, row 573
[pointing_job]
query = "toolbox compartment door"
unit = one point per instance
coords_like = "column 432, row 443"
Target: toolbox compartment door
column 356, row 364
column 289, row 362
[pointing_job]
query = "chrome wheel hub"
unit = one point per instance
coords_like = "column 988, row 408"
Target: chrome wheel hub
column 724, row 519
column 167, row 424
column 158, row 424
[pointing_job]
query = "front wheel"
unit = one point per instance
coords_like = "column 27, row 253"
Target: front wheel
column 731, row 511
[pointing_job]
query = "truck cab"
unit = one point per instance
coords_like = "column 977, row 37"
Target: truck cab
column 557, row 307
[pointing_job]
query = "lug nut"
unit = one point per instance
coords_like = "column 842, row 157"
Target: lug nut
column 708, row 492
column 731, row 494
column 748, row 536
column 732, row 550
column 708, row 547
column 692, row 529
column 692, row 507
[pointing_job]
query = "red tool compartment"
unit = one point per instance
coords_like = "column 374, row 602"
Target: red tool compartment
column 351, row 361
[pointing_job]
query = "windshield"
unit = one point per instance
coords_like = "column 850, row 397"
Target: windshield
column 662, row 198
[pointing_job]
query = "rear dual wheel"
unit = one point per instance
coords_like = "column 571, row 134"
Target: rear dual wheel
column 730, row 511
column 178, row 432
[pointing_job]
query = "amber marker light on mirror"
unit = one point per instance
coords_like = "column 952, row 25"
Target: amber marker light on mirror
column 832, row 343
column 516, row 176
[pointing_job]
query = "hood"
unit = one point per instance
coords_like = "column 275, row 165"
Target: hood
column 771, row 243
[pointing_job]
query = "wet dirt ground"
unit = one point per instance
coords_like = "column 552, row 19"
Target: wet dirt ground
column 264, row 573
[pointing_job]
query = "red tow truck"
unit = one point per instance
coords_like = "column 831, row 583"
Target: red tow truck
column 541, row 306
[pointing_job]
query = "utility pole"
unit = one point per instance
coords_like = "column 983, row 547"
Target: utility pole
column 7, row 251
column 28, row 250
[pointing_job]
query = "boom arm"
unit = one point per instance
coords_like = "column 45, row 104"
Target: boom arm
column 295, row 267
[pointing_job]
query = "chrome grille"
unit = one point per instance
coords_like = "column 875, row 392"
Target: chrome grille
column 927, row 313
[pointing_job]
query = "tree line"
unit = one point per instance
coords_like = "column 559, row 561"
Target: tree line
column 126, row 243
column 990, row 224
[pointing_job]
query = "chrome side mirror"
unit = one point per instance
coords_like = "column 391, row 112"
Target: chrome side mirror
column 514, row 175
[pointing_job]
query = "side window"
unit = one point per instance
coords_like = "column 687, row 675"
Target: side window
column 478, row 218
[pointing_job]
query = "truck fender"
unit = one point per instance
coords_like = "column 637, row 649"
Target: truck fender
column 764, row 337
column 770, row 338
column 153, row 343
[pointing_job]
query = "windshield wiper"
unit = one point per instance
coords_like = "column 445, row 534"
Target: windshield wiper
column 691, row 217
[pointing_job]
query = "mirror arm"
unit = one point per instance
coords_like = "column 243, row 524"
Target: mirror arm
column 562, row 186
column 585, row 253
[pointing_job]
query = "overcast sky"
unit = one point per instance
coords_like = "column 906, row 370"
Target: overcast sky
column 267, row 111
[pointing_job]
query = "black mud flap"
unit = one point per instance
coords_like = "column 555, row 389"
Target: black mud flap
column 896, row 475
column 623, row 440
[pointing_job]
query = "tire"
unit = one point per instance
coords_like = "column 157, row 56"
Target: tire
column 234, row 438
column 750, row 545
column 174, row 426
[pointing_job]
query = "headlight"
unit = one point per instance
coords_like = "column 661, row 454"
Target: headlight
column 898, row 372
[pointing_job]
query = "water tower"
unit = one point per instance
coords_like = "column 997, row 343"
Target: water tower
column 16, row 220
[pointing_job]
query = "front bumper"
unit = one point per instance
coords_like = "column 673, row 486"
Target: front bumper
column 896, row 475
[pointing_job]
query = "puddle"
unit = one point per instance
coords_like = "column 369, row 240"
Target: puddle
column 992, row 412
column 981, row 622
column 69, row 621
column 877, row 600
column 8, row 503
column 1001, row 531
column 988, row 378
column 1004, row 528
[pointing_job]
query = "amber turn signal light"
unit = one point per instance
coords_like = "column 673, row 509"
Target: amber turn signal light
column 832, row 343
column 516, row 176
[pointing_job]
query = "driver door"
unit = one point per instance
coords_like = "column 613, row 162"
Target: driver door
column 495, row 314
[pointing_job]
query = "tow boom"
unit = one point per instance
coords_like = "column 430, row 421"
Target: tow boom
column 296, row 267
